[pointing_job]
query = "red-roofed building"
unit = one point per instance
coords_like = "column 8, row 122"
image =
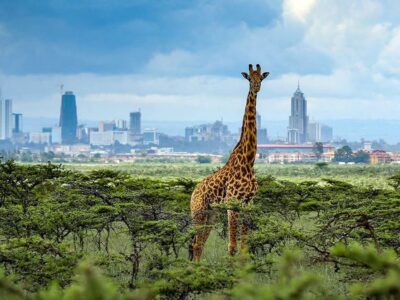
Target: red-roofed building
column 379, row 157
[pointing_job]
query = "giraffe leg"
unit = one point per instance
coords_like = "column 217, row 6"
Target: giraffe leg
column 233, row 226
column 200, row 219
column 243, row 237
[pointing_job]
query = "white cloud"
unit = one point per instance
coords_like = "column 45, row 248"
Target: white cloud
column 345, row 53
column 176, row 62
column 389, row 58
column 298, row 9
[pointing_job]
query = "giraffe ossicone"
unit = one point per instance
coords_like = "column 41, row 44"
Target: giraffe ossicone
column 235, row 180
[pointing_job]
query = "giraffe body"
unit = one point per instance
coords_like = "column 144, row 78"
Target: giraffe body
column 235, row 180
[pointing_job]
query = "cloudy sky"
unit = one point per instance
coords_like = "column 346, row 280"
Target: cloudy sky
column 181, row 59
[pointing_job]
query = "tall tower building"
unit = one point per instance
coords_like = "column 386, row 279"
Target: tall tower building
column 7, row 118
column 135, row 123
column 298, row 120
column 68, row 118
column 17, row 123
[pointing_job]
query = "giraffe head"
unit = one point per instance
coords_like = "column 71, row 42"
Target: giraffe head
column 255, row 77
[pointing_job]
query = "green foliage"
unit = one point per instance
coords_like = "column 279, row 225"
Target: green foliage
column 318, row 149
column 203, row 159
column 322, row 166
column 137, row 231
column 386, row 265
column 344, row 154
column 361, row 157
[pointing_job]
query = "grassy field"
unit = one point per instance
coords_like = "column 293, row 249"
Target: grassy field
column 364, row 175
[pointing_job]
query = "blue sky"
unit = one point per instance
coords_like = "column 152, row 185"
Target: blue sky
column 182, row 59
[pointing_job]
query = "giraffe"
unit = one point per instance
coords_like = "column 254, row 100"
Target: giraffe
column 235, row 180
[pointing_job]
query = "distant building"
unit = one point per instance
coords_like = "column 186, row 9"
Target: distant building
column 298, row 120
column 189, row 133
column 107, row 138
column 135, row 123
column 18, row 136
column 379, row 157
column 73, row 150
column 314, row 132
column 121, row 137
column 216, row 131
column 269, row 148
column 258, row 121
column 101, row 138
column 17, row 123
column 68, row 118
column 56, row 137
column 326, row 134
column 284, row 153
column 106, row 126
column 40, row 138
column 262, row 136
column 120, row 124
column 262, row 133
column 7, row 118
column 366, row 146
column 150, row 136
column 318, row 132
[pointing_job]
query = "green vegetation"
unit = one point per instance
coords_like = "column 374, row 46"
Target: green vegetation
column 203, row 159
column 358, row 174
column 123, row 231
column 345, row 154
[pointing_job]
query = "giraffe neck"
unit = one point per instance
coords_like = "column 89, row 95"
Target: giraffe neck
column 248, row 138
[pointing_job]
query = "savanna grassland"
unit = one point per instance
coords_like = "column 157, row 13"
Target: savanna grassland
column 122, row 231
column 360, row 174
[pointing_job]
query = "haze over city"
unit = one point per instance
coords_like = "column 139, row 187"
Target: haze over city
column 345, row 55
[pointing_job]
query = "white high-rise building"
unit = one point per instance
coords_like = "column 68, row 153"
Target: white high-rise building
column 8, row 119
column 314, row 132
column 121, row 124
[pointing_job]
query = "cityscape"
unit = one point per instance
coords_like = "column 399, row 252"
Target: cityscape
column 126, row 140
column 199, row 150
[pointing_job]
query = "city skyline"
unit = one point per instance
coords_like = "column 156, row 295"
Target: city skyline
column 277, row 130
column 350, row 63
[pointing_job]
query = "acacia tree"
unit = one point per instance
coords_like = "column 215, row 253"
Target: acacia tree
column 318, row 149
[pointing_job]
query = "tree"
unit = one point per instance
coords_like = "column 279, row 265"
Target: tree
column 322, row 166
column 361, row 157
column 344, row 154
column 318, row 149
column 203, row 159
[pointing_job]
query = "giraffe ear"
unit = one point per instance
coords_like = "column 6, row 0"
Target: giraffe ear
column 245, row 75
column 264, row 75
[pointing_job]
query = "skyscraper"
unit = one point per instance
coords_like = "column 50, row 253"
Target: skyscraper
column 68, row 118
column 298, row 120
column 135, row 123
column 314, row 132
column 17, row 123
column 7, row 118
column 326, row 133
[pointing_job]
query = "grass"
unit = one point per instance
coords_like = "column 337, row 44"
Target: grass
column 363, row 175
